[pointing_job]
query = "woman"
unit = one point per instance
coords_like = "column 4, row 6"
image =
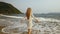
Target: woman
column 29, row 18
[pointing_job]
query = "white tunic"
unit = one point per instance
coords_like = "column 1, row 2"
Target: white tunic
column 29, row 24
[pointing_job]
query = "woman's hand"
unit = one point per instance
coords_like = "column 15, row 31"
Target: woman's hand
column 37, row 21
column 22, row 20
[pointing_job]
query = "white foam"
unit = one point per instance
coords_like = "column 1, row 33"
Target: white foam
column 10, row 16
column 48, row 19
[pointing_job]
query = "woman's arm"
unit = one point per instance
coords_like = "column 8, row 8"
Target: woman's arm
column 36, row 20
column 22, row 20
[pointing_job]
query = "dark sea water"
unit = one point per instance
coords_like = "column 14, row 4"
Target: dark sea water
column 49, row 24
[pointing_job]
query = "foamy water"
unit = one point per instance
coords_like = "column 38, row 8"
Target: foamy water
column 45, row 26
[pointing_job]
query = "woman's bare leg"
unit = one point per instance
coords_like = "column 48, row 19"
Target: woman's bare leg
column 29, row 31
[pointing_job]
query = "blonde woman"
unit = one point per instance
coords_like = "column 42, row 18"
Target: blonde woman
column 29, row 17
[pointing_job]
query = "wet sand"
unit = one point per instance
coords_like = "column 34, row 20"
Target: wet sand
column 1, row 29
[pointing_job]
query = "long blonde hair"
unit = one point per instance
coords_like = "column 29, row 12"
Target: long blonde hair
column 28, row 13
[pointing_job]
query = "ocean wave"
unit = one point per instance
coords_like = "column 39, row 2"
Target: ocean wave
column 48, row 19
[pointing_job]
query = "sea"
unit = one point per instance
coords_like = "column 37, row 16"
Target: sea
column 48, row 24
